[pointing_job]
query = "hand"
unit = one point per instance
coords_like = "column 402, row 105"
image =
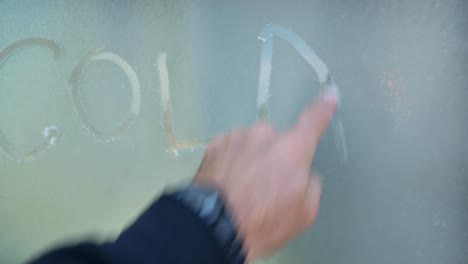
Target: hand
column 264, row 177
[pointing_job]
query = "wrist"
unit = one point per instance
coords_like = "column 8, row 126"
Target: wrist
column 240, row 223
column 210, row 206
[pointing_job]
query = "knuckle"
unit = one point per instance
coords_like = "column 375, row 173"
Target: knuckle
column 263, row 129
column 297, row 145
column 210, row 149
column 216, row 143
column 237, row 135
column 293, row 152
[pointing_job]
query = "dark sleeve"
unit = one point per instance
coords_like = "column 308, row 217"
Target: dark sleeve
column 167, row 232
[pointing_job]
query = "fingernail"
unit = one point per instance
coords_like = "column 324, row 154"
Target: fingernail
column 331, row 94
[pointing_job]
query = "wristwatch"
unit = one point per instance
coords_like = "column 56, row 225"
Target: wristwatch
column 208, row 204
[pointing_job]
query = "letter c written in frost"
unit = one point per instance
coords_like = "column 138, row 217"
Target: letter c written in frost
column 50, row 133
column 129, row 120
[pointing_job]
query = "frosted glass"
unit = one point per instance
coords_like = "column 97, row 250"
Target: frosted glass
column 103, row 104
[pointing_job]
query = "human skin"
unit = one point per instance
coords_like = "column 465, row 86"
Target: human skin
column 265, row 178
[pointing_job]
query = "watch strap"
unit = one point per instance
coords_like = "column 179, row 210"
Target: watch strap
column 209, row 206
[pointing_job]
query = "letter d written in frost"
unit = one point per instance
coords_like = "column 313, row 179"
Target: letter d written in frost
column 50, row 133
column 324, row 77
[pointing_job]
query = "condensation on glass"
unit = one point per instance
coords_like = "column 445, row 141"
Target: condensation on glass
column 103, row 104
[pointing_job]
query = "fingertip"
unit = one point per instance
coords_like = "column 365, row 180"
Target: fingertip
column 321, row 111
column 331, row 95
column 317, row 116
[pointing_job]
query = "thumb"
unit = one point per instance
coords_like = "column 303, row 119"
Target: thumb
column 313, row 122
column 314, row 193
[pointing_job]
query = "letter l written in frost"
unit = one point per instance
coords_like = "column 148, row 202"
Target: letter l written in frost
column 175, row 146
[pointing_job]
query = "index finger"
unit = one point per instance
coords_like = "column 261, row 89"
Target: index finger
column 313, row 122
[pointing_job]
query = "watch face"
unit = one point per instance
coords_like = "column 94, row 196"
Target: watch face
column 209, row 204
column 204, row 201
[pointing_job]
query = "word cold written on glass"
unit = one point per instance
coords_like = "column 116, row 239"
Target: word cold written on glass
column 51, row 133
